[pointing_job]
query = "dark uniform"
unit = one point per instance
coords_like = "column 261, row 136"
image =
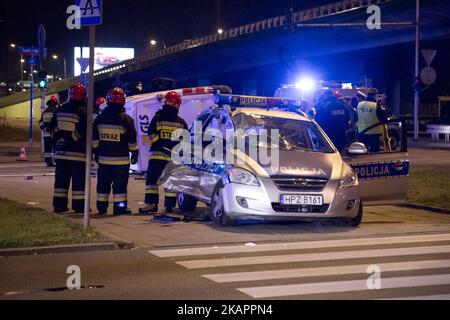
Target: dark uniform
column 114, row 139
column 69, row 125
column 334, row 118
column 47, row 133
column 164, row 123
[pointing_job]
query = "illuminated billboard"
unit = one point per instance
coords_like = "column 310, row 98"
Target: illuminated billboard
column 103, row 57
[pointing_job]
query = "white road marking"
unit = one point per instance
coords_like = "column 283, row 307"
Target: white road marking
column 343, row 286
column 322, row 256
column 325, row 271
column 298, row 245
column 435, row 297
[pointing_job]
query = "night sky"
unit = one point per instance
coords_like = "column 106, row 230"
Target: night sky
column 130, row 23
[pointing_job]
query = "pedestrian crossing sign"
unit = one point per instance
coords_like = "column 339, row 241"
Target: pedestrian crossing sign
column 90, row 12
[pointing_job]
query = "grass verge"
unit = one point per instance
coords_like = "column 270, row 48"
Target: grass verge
column 430, row 185
column 24, row 226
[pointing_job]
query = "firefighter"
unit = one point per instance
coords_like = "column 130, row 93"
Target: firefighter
column 334, row 118
column 114, row 138
column 165, row 122
column 47, row 133
column 371, row 116
column 69, row 125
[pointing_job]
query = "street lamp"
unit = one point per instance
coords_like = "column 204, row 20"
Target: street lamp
column 12, row 45
column 55, row 57
column 220, row 31
column 153, row 43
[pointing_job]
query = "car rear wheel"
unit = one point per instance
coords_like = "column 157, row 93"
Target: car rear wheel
column 186, row 203
column 217, row 212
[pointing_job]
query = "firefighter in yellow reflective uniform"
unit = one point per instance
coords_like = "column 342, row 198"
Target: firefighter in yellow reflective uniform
column 47, row 132
column 165, row 122
column 114, row 138
column 371, row 117
column 69, row 126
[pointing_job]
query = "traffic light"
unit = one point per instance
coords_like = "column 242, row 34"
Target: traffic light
column 42, row 80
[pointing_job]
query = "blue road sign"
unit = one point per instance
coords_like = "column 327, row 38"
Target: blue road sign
column 28, row 51
column 90, row 12
column 32, row 61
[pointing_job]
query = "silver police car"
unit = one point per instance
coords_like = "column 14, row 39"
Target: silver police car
column 311, row 180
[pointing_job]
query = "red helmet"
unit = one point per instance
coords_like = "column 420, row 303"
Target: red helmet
column 100, row 101
column 54, row 99
column 116, row 95
column 77, row 92
column 173, row 98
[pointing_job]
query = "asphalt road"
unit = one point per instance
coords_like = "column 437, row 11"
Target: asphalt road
column 410, row 267
column 404, row 252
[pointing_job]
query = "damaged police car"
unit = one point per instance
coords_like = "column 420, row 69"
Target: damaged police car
column 308, row 180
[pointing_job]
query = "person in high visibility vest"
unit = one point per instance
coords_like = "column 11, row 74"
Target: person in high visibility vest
column 371, row 117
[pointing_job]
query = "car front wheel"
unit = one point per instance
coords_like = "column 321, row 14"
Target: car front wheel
column 186, row 203
column 217, row 212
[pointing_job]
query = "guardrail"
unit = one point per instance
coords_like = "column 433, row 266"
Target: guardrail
column 262, row 25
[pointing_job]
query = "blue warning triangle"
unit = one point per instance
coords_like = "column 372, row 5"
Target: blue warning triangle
column 84, row 63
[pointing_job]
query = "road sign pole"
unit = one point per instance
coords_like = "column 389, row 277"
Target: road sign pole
column 416, row 90
column 31, row 103
column 90, row 108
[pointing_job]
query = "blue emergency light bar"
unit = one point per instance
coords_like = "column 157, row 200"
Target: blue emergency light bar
column 239, row 101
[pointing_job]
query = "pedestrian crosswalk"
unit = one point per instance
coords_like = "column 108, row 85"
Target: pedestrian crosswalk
column 410, row 267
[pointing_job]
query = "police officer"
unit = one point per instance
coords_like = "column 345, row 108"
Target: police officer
column 371, row 116
column 334, row 118
column 114, row 138
column 69, row 125
column 47, row 132
column 165, row 122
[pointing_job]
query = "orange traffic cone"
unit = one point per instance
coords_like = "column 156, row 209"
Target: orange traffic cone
column 23, row 154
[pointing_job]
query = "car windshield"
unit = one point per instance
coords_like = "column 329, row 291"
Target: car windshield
column 295, row 135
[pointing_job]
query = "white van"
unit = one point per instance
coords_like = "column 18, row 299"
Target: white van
column 143, row 107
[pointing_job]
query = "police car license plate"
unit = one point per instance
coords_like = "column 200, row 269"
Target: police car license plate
column 295, row 199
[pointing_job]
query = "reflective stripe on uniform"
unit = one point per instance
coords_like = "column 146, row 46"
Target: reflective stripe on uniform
column 170, row 193
column 78, row 195
column 133, row 147
column 120, row 197
column 101, row 197
column 73, row 156
column 120, row 129
column 153, row 138
column 60, row 193
column 95, row 144
column 151, row 189
column 114, row 161
column 48, row 155
column 159, row 156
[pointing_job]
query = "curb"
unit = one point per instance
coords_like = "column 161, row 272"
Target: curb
column 14, row 252
column 424, row 207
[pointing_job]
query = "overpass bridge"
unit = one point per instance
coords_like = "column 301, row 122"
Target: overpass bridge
column 267, row 43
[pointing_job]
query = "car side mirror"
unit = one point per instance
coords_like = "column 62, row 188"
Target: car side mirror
column 357, row 148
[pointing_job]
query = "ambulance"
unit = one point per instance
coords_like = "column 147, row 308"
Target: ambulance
column 142, row 108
